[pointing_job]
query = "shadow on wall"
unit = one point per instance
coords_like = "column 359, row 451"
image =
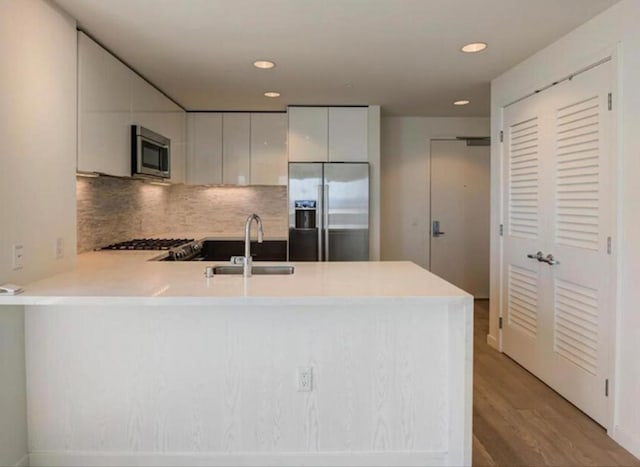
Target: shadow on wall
column 112, row 210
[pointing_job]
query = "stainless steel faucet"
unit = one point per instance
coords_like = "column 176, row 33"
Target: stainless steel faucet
column 246, row 260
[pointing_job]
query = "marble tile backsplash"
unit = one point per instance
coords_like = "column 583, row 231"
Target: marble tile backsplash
column 113, row 210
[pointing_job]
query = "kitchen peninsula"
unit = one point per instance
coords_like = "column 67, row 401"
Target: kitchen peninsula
column 137, row 362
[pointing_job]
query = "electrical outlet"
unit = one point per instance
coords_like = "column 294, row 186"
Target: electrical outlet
column 305, row 379
column 18, row 256
column 59, row 248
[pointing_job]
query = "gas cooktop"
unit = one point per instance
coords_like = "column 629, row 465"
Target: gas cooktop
column 149, row 244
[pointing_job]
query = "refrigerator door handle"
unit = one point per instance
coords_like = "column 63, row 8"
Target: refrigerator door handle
column 320, row 220
column 325, row 224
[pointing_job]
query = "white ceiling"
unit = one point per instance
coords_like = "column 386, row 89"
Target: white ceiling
column 401, row 54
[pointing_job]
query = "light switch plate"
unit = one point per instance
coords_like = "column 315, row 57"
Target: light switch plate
column 18, row 256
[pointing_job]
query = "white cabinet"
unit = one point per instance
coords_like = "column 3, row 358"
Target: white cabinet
column 328, row 134
column 348, row 130
column 112, row 97
column 236, row 147
column 204, row 145
column 151, row 109
column 269, row 149
column 104, row 111
column 308, row 134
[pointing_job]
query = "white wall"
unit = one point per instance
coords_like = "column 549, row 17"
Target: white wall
column 37, row 178
column 405, row 180
column 596, row 39
column 38, row 137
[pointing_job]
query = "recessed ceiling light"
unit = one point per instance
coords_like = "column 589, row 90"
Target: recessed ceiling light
column 272, row 94
column 474, row 47
column 461, row 102
column 264, row 64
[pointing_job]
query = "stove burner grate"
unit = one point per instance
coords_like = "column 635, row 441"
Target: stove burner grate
column 149, row 244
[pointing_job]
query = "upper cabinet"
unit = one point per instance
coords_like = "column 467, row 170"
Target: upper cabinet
column 204, row 145
column 328, row 134
column 104, row 111
column 152, row 110
column 112, row 97
column 269, row 149
column 348, row 134
column 308, row 134
column 236, row 147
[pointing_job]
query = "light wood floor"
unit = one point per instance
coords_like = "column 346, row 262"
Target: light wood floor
column 519, row 421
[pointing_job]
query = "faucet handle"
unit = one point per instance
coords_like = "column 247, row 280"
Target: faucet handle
column 237, row 259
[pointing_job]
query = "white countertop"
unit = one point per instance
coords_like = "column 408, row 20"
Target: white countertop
column 127, row 277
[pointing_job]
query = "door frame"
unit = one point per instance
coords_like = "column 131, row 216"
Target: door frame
column 496, row 290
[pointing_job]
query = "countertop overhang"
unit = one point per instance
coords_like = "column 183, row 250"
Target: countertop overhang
column 131, row 277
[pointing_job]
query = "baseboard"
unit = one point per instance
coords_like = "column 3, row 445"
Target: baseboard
column 347, row 459
column 493, row 342
column 24, row 462
column 628, row 441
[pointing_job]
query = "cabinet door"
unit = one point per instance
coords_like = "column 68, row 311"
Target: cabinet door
column 269, row 149
column 308, row 134
column 236, row 147
column 348, row 134
column 204, row 141
column 104, row 111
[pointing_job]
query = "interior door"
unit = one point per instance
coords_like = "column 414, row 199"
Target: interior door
column 524, row 197
column 582, row 219
column 558, row 307
column 460, row 192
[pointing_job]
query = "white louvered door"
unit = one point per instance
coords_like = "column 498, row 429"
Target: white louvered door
column 526, row 184
column 557, row 316
column 582, row 221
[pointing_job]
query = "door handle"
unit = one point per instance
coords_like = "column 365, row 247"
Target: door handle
column 549, row 259
column 320, row 219
column 539, row 256
column 326, row 222
column 435, row 229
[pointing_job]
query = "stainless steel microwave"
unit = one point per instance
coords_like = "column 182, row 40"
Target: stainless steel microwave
column 150, row 153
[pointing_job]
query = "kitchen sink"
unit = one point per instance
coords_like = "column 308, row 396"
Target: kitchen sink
column 255, row 270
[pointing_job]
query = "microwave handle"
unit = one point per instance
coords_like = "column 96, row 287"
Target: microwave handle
column 166, row 158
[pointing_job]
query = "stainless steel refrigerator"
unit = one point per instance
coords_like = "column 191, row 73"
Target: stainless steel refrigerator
column 328, row 211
